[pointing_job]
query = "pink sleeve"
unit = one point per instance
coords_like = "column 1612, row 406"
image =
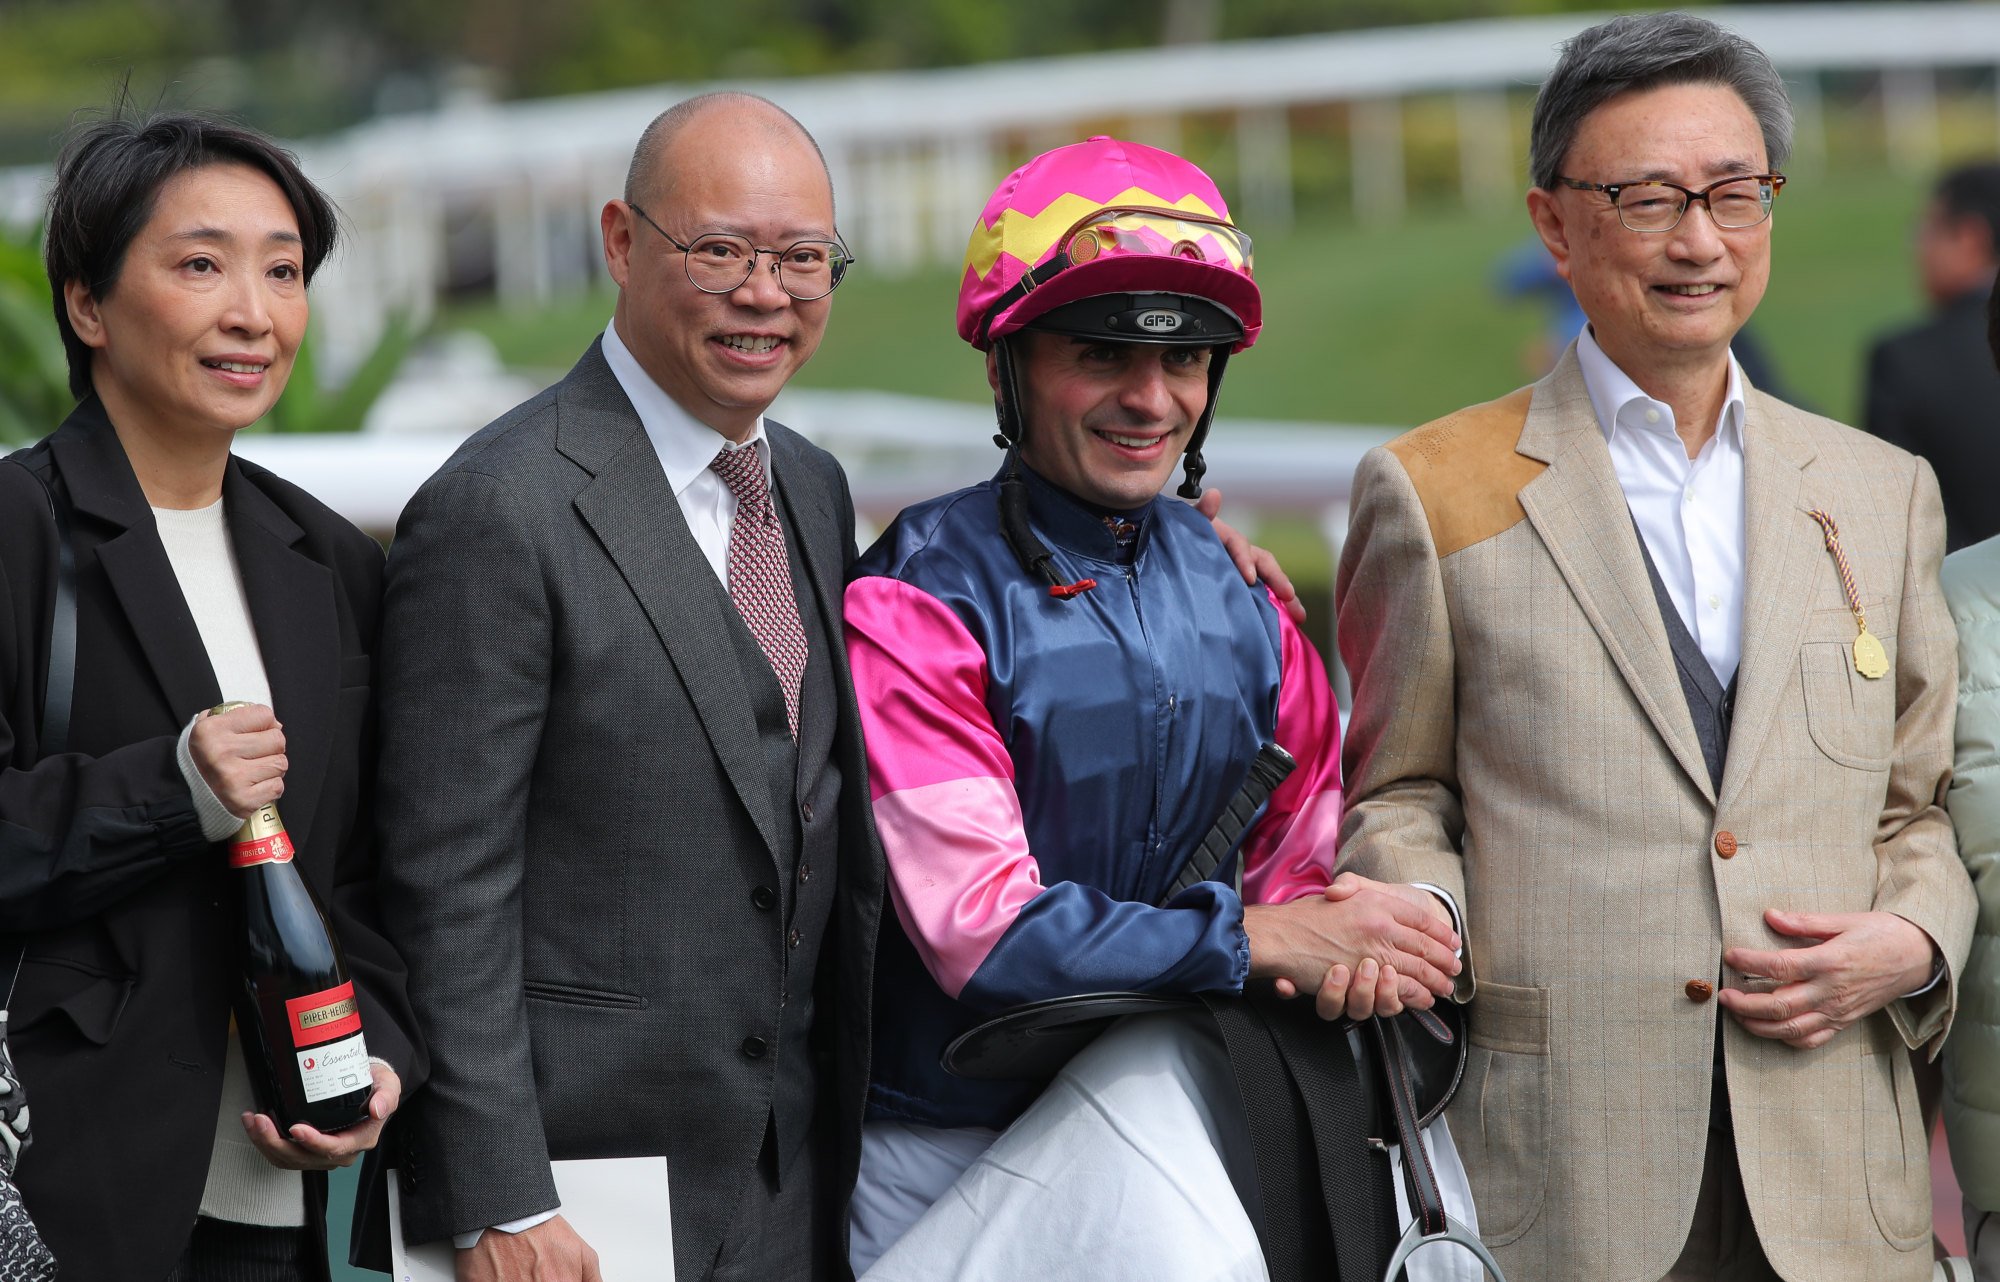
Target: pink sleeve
column 940, row 777
column 1290, row 852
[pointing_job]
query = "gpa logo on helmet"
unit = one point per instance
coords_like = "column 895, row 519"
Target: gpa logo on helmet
column 1159, row 322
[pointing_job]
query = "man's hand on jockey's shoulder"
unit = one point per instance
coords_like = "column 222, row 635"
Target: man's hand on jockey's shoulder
column 1255, row 564
column 1380, row 935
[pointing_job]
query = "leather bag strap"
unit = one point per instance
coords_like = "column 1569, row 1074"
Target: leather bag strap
column 59, row 692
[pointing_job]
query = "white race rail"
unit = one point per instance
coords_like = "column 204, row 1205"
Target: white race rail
column 915, row 152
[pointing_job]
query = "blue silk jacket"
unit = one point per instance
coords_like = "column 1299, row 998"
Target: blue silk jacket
column 1041, row 769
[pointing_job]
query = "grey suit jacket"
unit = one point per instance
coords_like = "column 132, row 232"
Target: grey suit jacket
column 1520, row 737
column 575, row 814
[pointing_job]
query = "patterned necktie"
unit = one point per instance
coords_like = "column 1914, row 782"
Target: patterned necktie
column 760, row 575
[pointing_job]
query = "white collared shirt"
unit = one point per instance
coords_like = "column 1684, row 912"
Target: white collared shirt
column 686, row 447
column 1689, row 511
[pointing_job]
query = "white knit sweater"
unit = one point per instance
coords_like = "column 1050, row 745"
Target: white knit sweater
column 242, row 1186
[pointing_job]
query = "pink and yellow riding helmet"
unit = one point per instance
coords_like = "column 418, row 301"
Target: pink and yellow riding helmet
column 1114, row 241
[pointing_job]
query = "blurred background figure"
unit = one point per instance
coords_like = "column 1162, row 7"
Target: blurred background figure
column 1932, row 388
column 1526, row 272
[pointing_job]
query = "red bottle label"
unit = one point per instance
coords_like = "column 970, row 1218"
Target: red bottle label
column 274, row 849
column 323, row 1016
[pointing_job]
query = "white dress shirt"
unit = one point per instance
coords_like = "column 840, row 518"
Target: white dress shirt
column 1689, row 511
column 686, row 447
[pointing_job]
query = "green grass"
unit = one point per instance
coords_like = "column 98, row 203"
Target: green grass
column 1391, row 325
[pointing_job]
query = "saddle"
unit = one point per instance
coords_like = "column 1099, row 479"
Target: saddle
column 1324, row 1099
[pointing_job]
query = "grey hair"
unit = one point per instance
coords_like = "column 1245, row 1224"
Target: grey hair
column 667, row 126
column 1647, row 51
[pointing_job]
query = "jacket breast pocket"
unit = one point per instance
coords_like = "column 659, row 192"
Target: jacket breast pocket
column 1851, row 717
column 1505, row 1144
column 356, row 670
column 573, row 995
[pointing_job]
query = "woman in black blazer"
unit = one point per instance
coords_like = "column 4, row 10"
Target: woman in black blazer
column 179, row 250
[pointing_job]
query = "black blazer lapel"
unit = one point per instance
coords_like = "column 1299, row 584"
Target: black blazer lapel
column 298, row 631
column 104, row 491
column 632, row 510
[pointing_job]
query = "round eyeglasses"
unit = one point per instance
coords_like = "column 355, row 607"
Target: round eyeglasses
column 1653, row 205
column 718, row 262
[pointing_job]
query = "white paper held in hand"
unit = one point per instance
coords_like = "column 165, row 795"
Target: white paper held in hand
column 617, row 1204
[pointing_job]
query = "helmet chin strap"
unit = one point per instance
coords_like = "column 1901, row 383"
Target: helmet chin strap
column 1007, row 397
column 1028, row 549
column 1190, row 488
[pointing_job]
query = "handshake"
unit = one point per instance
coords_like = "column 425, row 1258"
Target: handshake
column 1361, row 948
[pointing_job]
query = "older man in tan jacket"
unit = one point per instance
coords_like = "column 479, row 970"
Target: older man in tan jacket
column 1653, row 679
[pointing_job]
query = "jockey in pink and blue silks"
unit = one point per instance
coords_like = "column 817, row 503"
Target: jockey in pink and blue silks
column 1063, row 679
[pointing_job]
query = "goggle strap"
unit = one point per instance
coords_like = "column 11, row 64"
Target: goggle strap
column 1020, row 289
column 1030, row 551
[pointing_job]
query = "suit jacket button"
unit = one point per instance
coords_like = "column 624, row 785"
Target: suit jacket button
column 1725, row 844
column 754, row 1047
column 764, row 897
column 795, row 937
column 806, row 810
column 1699, row 990
column 805, row 872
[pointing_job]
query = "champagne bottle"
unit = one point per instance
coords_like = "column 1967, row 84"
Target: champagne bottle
column 298, row 1018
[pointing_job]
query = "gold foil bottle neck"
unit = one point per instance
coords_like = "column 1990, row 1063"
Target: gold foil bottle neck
column 263, row 822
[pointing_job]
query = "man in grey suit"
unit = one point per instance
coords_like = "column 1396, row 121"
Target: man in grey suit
column 628, row 853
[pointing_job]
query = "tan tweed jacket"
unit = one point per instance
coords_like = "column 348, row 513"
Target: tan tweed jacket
column 1519, row 737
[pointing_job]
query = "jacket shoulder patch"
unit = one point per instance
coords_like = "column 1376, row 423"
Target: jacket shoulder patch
column 1466, row 473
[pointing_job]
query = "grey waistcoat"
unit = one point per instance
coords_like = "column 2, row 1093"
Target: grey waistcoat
column 1711, row 706
column 805, row 790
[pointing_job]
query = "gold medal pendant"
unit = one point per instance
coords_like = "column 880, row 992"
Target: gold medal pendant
column 1869, row 658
